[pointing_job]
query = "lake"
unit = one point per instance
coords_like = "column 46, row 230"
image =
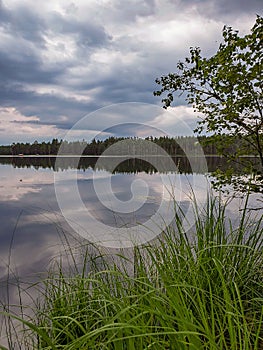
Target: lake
column 33, row 229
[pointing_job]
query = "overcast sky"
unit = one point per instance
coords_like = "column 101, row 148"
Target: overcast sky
column 61, row 60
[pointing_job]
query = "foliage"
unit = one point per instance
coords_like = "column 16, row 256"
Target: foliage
column 35, row 148
column 226, row 89
column 172, row 145
column 97, row 147
column 198, row 292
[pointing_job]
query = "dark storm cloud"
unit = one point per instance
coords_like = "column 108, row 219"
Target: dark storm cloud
column 24, row 22
column 82, row 56
column 22, row 66
column 131, row 10
column 22, row 62
column 19, row 59
column 58, row 124
column 30, row 25
column 217, row 8
column 87, row 35
column 234, row 6
column 131, row 129
column 26, row 68
column 48, row 107
column 126, row 89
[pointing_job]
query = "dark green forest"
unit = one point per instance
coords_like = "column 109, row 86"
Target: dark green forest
column 173, row 146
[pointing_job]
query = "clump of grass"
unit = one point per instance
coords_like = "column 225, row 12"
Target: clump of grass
column 203, row 292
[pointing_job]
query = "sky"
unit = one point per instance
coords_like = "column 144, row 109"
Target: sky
column 91, row 65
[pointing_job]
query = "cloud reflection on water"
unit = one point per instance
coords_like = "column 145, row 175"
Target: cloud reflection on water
column 29, row 209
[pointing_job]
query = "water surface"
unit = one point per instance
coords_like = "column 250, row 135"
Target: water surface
column 31, row 220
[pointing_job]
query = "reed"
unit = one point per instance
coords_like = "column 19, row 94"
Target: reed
column 188, row 290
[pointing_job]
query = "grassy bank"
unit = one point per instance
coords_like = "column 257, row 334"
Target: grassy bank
column 198, row 293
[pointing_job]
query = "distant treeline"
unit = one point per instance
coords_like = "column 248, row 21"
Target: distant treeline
column 173, row 146
column 177, row 146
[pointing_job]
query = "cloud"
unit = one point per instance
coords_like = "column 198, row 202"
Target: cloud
column 133, row 129
column 67, row 59
column 179, row 120
column 24, row 128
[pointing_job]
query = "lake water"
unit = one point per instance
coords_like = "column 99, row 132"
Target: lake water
column 33, row 229
column 31, row 218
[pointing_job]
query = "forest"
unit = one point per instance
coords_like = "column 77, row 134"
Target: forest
column 174, row 146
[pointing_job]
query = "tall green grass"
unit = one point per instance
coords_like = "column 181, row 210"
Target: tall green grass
column 201, row 290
